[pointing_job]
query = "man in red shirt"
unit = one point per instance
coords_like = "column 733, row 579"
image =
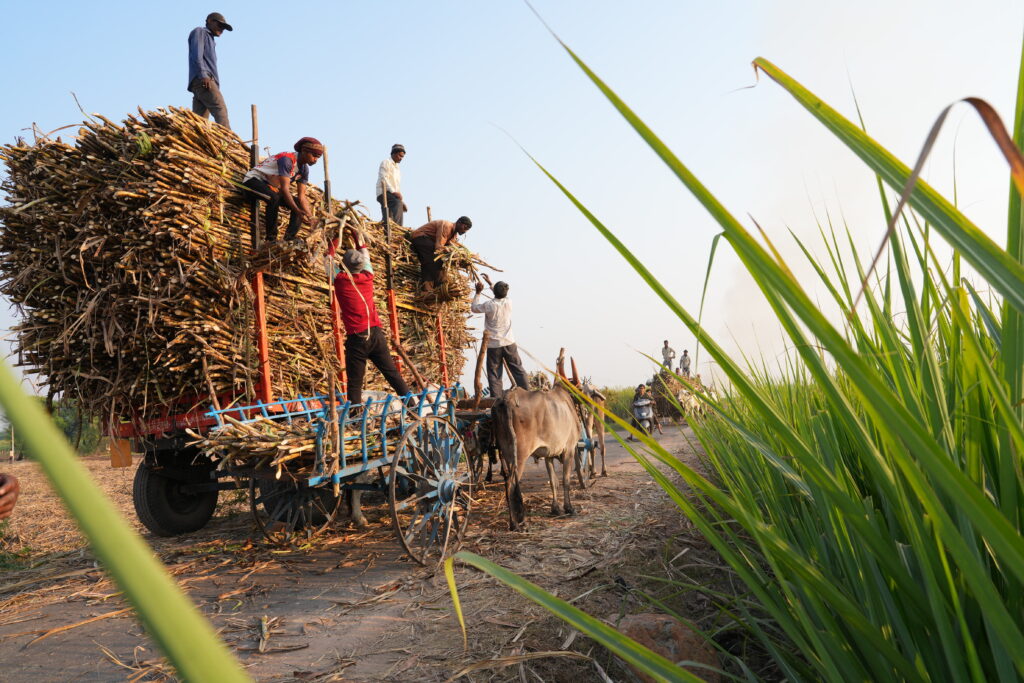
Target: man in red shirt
column 364, row 338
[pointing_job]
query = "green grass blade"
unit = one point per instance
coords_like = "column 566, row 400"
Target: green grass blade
column 187, row 638
column 1013, row 320
column 703, row 295
column 1003, row 272
column 629, row 650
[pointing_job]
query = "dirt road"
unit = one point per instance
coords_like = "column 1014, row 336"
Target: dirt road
column 351, row 606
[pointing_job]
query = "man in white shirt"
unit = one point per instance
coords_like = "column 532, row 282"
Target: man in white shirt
column 668, row 354
column 501, row 345
column 389, row 186
column 684, row 364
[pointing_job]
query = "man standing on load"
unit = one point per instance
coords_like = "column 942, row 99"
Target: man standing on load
column 272, row 178
column 364, row 338
column 501, row 345
column 668, row 354
column 389, row 186
column 203, row 81
column 429, row 242
column 684, row 364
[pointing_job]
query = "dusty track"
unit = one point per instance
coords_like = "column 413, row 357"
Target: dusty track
column 350, row 606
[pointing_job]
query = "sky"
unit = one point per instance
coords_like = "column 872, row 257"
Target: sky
column 463, row 84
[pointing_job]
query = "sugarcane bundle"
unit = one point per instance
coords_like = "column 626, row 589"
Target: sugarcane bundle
column 128, row 256
column 286, row 447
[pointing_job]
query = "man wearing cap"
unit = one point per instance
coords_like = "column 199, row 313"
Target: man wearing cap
column 501, row 345
column 271, row 181
column 389, row 186
column 430, row 240
column 364, row 338
column 203, row 81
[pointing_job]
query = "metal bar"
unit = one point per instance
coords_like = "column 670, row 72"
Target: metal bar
column 359, row 468
column 339, row 344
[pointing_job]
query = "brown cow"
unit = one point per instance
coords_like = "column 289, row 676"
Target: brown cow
column 542, row 424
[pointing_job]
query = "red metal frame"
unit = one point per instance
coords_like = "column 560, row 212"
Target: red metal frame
column 339, row 343
column 259, row 307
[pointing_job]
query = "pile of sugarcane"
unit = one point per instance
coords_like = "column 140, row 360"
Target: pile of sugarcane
column 284, row 447
column 128, row 256
column 266, row 444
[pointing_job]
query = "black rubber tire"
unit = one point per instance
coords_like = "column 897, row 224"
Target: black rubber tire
column 164, row 508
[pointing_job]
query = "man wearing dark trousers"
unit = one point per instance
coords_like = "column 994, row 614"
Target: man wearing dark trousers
column 271, row 181
column 501, row 345
column 364, row 339
column 203, row 80
column 389, row 186
column 429, row 242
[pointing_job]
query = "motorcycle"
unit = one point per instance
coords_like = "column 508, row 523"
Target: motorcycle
column 643, row 413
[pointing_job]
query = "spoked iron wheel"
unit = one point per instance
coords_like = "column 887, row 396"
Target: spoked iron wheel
column 583, row 460
column 430, row 489
column 287, row 512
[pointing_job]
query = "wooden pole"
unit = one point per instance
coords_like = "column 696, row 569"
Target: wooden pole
column 428, row 215
column 417, row 377
column 478, row 386
column 254, row 158
column 389, row 276
column 339, row 347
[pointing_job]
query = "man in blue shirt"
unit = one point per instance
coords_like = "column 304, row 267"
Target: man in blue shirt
column 203, row 81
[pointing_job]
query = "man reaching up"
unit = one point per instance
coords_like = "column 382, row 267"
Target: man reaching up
column 501, row 345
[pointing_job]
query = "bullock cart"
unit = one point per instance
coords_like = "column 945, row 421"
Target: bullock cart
column 297, row 457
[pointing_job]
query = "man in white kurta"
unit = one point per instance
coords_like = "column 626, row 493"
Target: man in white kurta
column 389, row 186
column 501, row 345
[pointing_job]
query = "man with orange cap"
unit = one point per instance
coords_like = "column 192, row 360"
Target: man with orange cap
column 272, row 178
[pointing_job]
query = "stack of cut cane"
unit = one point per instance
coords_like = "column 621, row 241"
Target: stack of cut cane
column 128, row 256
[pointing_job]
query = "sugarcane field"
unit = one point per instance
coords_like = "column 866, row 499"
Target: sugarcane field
column 378, row 345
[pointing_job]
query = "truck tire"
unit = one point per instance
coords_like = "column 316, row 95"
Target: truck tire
column 167, row 510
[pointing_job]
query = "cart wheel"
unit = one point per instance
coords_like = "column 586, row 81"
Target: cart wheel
column 288, row 512
column 166, row 507
column 584, row 454
column 430, row 488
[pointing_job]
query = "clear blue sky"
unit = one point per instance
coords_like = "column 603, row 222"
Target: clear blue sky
column 445, row 77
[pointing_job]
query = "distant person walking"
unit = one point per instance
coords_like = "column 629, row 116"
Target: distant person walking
column 684, row 364
column 668, row 355
column 203, row 80
column 389, row 186
column 501, row 345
